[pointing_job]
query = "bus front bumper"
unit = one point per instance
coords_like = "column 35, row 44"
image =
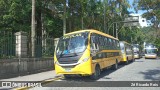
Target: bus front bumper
column 150, row 56
column 80, row 69
column 136, row 56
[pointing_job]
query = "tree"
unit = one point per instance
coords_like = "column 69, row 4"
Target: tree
column 15, row 15
column 153, row 14
column 33, row 28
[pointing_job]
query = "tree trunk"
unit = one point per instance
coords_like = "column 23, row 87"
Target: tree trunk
column 64, row 18
column 33, row 29
column 104, row 8
column 43, row 33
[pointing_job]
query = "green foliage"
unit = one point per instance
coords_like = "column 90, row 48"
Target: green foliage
column 15, row 15
column 157, row 42
column 147, row 5
column 80, row 14
column 153, row 14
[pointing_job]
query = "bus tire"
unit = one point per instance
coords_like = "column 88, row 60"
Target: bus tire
column 156, row 57
column 96, row 74
column 133, row 60
column 66, row 76
column 127, row 62
column 115, row 66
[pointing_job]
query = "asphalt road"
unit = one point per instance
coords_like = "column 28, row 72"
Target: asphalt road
column 140, row 70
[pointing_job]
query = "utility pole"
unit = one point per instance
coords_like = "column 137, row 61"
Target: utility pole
column 64, row 18
column 33, row 29
column 113, row 29
column 104, row 1
column 131, row 35
column 116, row 31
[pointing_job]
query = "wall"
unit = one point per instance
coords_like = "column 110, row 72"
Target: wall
column 17, row 67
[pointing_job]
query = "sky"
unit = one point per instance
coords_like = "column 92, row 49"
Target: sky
column 132, row 9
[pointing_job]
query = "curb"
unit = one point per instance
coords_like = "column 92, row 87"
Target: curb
column 42, row 83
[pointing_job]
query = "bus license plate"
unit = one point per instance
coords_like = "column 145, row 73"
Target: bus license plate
column 68, row 69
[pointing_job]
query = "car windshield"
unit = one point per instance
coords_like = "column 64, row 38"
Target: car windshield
column 150, row 51
column 70, row 44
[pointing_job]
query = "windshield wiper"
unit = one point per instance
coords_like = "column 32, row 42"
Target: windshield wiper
column 75, row 54
column 60, row 55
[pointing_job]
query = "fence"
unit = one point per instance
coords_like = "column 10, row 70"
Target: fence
column 44, row 47
column 15, row 54
column 7, row 44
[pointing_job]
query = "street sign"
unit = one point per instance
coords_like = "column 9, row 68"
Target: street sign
column 131, row 21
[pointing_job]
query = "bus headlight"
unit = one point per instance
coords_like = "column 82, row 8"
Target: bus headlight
column 84, row 60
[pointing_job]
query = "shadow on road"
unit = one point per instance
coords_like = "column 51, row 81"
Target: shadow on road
column 139, row 61
column 151, row 59
column 109, row 71
column 79, row 78
column 152, row 74
column 104, row 73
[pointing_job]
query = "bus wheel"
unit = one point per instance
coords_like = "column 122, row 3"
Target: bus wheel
column 126, row 62
column 66, row 76
column 115, row 66
column 133, row 59
column 96, row 74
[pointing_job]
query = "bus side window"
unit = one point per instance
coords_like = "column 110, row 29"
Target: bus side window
column 96, row 38
column 118, row 45
column 110, row 44
column 97, row 42
column 99, row 55
column 114, row 44
column 126, row 49
column 94, row 42
column 107, row 43
column 103, row 40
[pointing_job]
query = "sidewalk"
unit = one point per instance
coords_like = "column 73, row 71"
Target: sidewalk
column 34, row 77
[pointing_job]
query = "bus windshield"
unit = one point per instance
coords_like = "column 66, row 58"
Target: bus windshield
column 122, row 47
column 150, row 51
column 72, row 44
column 136, row 50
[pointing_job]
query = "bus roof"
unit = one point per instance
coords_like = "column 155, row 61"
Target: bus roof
column 92, row 31
column 125, row 42
column 150, row 48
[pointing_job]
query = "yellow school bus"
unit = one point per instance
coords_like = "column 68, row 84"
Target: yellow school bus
column 127, row 52
column 86, row 52
column 136, row 49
